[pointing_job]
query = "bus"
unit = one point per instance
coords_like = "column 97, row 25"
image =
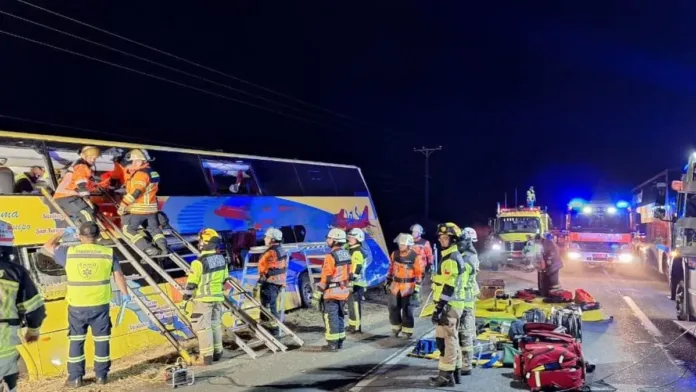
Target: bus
column 238, row 195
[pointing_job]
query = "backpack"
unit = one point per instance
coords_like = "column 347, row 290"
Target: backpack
column 535, row 316
column 559, row 297
column 569, row 318
column 585, row 300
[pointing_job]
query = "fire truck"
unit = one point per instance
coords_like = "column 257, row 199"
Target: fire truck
column 599, row 234
column 511, row 229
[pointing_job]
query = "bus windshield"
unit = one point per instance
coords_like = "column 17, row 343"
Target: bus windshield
column 600, row 223
column 519, row 225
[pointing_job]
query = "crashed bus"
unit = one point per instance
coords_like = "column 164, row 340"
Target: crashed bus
column 237, row 195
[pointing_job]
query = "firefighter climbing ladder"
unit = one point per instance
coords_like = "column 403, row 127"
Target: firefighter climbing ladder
column 306, row 249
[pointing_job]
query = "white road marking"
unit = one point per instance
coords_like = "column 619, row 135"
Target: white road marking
column 652, row 328
column 387, row 364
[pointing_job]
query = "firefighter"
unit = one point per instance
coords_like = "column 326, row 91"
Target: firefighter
column 403, row 280
column 29, row 182
column 205, row 285
column 333, row 289
column 356, row 238
column 20, row 301
column 422, row 246
column 467, row 323
column 450, row 295
column 531, row 197
column 88, row 268
column 73, row 191
column 138, row 207
column 552, row 264
column 273, row 269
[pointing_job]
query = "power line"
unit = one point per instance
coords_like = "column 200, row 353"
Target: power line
column 427, row 152
column 154, row 62
column 166, row 80
column 192, row 62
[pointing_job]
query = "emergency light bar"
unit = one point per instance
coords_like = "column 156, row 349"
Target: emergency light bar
column 530, row 209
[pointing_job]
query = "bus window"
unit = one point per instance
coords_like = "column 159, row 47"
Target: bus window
column 348, row 181
column 22, row 167
column 65, row 154
column 277, row 178
column 180, row 174
column 230, row 177
column 316, row 180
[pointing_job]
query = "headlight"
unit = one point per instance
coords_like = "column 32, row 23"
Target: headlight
column 496, row 247
column 574, row 255
column 625, row 257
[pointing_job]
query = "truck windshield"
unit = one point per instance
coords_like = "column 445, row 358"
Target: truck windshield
column 518, row 225
column 600, row 223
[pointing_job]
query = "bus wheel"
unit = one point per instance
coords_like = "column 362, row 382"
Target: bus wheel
column 305, row 290
column 682, row 311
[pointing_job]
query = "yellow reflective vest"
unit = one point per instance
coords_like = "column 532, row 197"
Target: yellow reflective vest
column 207, row 278
column 450, row 283
column 357, row 265
column 88, row 268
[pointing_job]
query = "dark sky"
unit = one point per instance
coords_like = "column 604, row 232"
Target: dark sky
column 571, row 97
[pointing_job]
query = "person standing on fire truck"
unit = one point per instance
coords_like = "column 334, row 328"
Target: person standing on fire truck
column 422, row 246
column 273, row 269
column 403, row 281
column 139, row 207
column 333, row 289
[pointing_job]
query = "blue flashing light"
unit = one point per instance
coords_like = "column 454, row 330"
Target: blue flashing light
column 622, row 204
column 576, row 203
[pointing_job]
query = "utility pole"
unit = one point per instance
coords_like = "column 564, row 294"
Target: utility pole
column 427, row 152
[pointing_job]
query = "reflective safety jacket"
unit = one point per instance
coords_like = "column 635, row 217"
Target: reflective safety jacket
column 449, row 284
column 422, row 246
column 115, row 178
column 406, row 271
column 357, row 265
column 472, row 289
column 273, row 265
column 19, row 299
column 141, row 191
column 207, row 279
column 88, row 268
column 335, row 274
column 78, row 180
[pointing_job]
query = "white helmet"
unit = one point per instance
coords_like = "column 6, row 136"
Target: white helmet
column 337, row 235
column 417, row 227
column 470, row 234
column 404, row 239
column 357, row 234
column 274, row 234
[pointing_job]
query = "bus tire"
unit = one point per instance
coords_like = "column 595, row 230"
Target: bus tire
column 304, row 287
column 682, row 311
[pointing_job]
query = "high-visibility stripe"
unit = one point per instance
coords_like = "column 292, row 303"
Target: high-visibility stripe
column 99, row 283
column 102, row 359
column 77, row 338
column 79, row 359
column 31, row 305
column 102, row 338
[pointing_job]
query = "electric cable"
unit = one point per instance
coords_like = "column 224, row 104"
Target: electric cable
column 166, row 80
column 154, row 62
column 191, row 62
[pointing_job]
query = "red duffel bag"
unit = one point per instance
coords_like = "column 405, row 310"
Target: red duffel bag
column 572, row 379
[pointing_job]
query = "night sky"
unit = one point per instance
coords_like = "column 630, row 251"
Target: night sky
column 592, row 97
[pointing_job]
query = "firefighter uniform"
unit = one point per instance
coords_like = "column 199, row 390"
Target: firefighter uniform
column 450, row 296
column 19, row 300
column 273, row 269
column 422, row 246
column 358, row 282
column 549, row 274
column 75, row 187
column 139, row 206
column 333, row 289
column 205, row 285
column 467, row 325
column 403, row 281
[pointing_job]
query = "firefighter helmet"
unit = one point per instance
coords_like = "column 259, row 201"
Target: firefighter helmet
column 208, row 236
column 337, row 235
column 449, row 229
column 274, row 234
column 90, row 151
column 358, row 234
column 138, row 155
column 470, row 234
column 417, row 228
column 404, row 239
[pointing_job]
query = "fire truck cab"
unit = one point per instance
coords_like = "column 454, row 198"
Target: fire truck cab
column 511, row 229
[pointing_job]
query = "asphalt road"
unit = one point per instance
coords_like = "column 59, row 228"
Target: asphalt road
column 637, row 351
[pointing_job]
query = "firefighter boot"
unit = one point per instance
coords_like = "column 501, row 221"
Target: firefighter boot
column 162, row 246
column 407, row 335
column 457, row 375
column 152, row 251
column 217, row 357
column 203, row 361
column 102, row 380
column 443, row 379
column 74, row 383
column 330, row 347
column 340, row 343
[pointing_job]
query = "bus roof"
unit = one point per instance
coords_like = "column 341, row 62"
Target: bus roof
column 106, row 143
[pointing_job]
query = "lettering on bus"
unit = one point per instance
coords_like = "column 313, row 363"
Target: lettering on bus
column 48, row 230
column 54, row 216
column 137, row 326
column 9, row 214
column 21, row 227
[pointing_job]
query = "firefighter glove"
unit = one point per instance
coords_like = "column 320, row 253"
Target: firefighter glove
column 121, row 209
column 257, row 290
column 415, row 299
column 316, row 299
column 417, row 288
column 125, row 300
column 387, row 285
column 32, row 335
column 440, row 313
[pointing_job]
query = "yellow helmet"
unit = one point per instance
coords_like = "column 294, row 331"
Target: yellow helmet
column 206, row 236
column 450, row 229
column 138, row 155
column 90, row 151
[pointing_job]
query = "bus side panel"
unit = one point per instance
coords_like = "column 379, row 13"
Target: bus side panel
column 317, row 214
column 33, row 220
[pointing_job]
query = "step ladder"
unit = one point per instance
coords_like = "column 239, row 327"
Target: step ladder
column 307, row 249
column 243, row 321
column 138, row 299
